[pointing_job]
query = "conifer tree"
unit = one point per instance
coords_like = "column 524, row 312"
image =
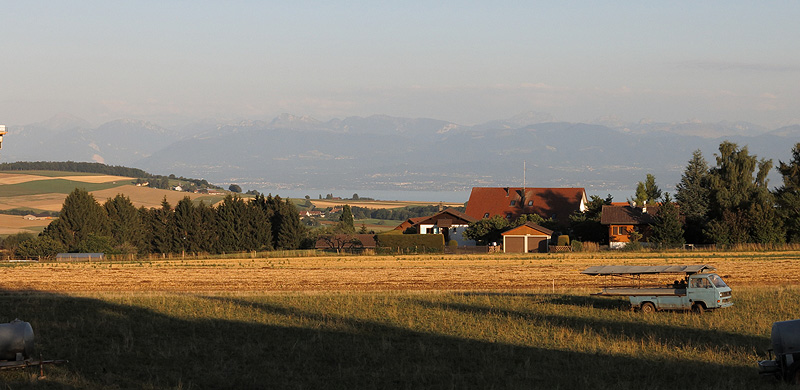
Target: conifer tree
column 346, row 222
column 186, row 227
column 692, row 198
column 647, row 192
column 668, row 229
column 229, row 224
column 163, row 227
column 788, row 195
column 80, row 217
column 207, row 238
column 290, row 231
column 126, row 226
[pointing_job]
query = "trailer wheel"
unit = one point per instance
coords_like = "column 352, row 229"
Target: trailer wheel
column 648, row 307
column 698, row 308
column 793, row 375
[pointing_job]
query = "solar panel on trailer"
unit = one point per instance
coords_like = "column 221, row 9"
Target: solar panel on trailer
column 646, row 269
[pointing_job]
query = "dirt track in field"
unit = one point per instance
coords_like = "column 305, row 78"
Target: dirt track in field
column 406, row 273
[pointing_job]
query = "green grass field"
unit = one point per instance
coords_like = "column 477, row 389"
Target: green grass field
column 394, row 340
column 59, row 186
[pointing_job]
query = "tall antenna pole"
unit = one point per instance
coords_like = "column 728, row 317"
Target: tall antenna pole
column 524, row 172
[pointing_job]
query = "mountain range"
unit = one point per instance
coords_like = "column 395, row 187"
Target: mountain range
column 381, row 152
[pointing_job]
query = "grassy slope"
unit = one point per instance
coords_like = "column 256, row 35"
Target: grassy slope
column 59, row 186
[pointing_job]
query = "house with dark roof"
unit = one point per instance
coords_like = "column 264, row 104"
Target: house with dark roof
column 409, row 226
column 526, row 238
column 511, row 202
column 621, row 220
column 450, row 223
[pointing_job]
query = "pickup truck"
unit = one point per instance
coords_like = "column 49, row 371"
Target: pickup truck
column 695, row 290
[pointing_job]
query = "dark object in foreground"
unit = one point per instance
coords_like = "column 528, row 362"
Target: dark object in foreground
column 786, row 346
column 16, row 347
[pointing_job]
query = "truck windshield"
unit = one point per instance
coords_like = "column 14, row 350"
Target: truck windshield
column 717, row 280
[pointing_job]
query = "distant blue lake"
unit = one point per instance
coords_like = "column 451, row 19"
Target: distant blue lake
column 422, row 196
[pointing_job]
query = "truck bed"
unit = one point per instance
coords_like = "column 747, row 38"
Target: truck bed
column 634, row 291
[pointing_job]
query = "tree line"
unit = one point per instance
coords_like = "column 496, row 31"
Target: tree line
column 117, row 226
column 731, row 202
column 73, row 166
column 727, row 203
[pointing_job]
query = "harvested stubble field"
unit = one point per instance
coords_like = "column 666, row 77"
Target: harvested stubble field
column 389, row 322
column 379, row 273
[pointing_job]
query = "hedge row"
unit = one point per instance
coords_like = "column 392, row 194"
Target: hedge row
column 411, row 242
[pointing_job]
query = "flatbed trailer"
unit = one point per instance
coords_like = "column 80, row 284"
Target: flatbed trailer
column 696, row 290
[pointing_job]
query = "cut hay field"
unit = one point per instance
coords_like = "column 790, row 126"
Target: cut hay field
column 493, row 272
column 389, row 322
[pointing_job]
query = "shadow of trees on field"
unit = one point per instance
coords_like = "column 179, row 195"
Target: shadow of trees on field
column 113, row 345
column 675, row 336
column 572, row 300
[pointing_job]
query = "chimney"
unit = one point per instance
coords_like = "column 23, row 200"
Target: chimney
column 506, row 189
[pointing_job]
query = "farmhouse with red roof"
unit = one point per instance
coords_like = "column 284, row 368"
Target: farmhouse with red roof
column 511, row 202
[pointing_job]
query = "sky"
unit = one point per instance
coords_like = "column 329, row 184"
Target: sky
column 175, row 62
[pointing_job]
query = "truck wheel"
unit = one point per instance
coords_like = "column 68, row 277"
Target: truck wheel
column 648, row 307
column 698, row 308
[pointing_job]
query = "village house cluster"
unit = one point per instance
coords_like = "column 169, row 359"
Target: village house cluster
column 556, row 204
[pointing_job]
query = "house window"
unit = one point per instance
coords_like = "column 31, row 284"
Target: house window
column 619, row 230
column 486, row 215
column 513, row 202
column 508, row 215
column 530, row 203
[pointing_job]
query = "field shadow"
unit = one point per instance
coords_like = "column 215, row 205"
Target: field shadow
column 559, row 299
column 637, row 332
column 114, row 345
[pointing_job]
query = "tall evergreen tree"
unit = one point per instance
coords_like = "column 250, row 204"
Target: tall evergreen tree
column 260, row 227
column 647, row 192
column 788, row 195
column 207, row 238
column 81, row 216
column 229, row 224
column 290, row 231
column 692, row 198
column 186, row 227
column 346, row 222
column 162, row 225
column 668, row 228
column 126, row 226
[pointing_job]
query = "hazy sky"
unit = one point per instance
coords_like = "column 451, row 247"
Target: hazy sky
column 465, row 61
